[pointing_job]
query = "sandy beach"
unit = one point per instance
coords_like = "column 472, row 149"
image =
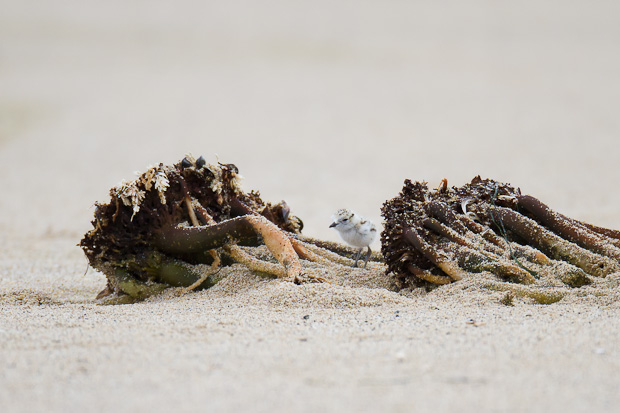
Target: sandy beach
column 325, row 105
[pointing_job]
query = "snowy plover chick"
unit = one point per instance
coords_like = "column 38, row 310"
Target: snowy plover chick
column 355, row 231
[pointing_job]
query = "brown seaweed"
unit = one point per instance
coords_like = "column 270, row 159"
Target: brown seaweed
column 175, row 225
column 438, row 236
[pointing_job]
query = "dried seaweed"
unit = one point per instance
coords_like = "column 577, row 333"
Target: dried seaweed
column 123, row 243
column 438, row 236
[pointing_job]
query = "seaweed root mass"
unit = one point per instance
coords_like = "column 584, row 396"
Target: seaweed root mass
column 175, row 225
column 438, row 236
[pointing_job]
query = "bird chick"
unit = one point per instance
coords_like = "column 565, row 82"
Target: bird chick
column 355, row 231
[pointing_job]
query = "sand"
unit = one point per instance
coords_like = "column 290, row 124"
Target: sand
column 325, row 105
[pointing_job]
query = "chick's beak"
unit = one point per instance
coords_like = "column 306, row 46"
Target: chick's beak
column 333, row 225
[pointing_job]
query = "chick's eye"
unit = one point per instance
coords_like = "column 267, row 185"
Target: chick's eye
column 345, row 219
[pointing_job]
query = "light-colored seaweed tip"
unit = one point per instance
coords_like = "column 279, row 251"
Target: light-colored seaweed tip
column 217, row 171
column 217, row 182
column 235, row 183
column 131, row 195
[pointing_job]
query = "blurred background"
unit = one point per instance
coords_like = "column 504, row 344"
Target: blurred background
column 326, row 104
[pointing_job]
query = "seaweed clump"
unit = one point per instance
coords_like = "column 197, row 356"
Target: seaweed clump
column 439, row 236
column 126, row 240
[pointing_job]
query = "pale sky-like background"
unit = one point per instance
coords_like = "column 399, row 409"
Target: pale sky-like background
column 324, row 104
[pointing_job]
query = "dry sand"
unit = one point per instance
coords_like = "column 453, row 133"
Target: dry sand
column 327, row 105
